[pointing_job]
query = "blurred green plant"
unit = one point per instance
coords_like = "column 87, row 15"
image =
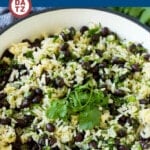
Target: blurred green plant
column 141, row 13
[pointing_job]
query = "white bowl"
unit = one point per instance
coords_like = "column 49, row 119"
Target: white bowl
column 51, row 21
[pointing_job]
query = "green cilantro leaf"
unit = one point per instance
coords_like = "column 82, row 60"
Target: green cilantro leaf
column 99, row 98
column 93, row 31
column 55, row 38
column 87, row 118
column 29, row 54
column 83, row 101
column 131, row 99
column 58, row 109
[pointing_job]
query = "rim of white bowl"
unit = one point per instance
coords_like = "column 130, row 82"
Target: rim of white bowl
column 132, row 19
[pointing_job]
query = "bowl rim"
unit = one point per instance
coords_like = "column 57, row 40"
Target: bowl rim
column 132, row 19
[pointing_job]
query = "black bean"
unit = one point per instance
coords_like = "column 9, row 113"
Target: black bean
column 59, row 82
column 21, row 123
column 52, row 141
column 26, row 41
column 48, row 80
column 117, row 60
column 147, row 57
column 67, row 55
column 95, row 69
column 99, row 52
column 83, row 29
column 25, row 103
column 132, row 48
column 36, row 43
column 50, row 127
column 122, row 120
column 119, row 93
column 28, row 118
column 8, row 54
column 135, row 68
column 37, row 99
column 87, row 65
column 113, row 109
column 93, row 144
column 5, row 121
column 144, row 101
column 65, row 36
column 79, row 137
column 2, row 95
column 121, row 133
column 105, row 32
column 4, row 103
column 122, row 147
column 64, row 47
column 95, row 39
column 65, row 50
column 38, row 91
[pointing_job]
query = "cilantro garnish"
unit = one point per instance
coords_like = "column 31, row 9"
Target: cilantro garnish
column 83, row 101
column 58, row 109
column 93, row 31
column 89, row 118
column 28, row 54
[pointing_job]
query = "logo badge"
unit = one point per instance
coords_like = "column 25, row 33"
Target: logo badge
column 20, row 8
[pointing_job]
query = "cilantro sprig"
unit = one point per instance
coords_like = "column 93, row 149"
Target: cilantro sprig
column 83, row 101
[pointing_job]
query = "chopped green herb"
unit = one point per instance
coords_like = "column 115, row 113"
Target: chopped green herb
column 93, row 31
column 89, row 118
column 58, row 109
column 131, row 99
column 83, row 101
column 55, row 38
column 29, row 54
column 118, row 101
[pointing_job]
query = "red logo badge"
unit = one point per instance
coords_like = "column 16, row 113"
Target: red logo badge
column 20, row 8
